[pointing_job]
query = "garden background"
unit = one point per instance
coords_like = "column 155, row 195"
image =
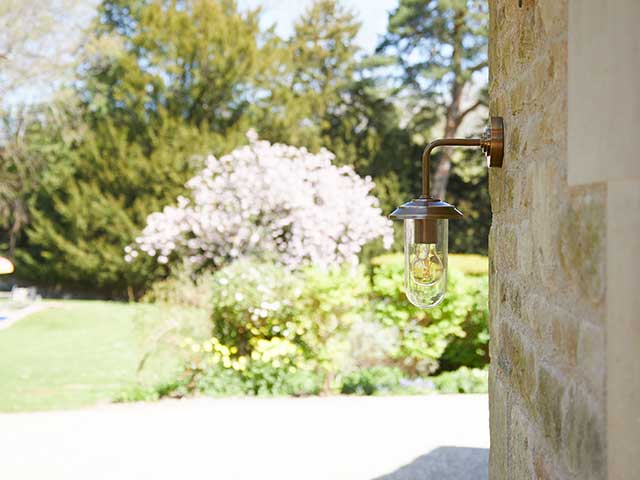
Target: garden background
column 219, row 193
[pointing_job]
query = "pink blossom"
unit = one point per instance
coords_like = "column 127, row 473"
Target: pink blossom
column 271, row 200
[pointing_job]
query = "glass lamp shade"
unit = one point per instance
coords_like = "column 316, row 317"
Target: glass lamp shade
column 425, row 260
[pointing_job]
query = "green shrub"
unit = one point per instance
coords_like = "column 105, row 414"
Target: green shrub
column 255, row 378
column 253, row 301
column 371, row 380
column 279, row 331
column 463, row 380
column 137, row 393
column 424, row 335
column 331, row 302
column 471, row 349
column 183, row 287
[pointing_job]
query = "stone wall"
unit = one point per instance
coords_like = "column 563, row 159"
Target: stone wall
column 547, row 262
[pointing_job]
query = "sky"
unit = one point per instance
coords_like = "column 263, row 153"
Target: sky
column 372, row 13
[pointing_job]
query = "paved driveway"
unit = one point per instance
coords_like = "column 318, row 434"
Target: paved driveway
column 387, row 438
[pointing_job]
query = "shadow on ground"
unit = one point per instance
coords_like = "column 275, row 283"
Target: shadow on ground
column 446, row 463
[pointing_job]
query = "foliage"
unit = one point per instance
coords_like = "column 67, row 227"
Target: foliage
column 276, row 331
column 192, row 61
column 321, row 92
column 463, row 380
column 137, row 393
column 258, row 378
column 182, row 287
column 272, row 201
column 26, row 148
column 160, row 83
column 468, row 189
column 391, row 380
column 155, row 87
column 439, row 47
column 305, row 317
column 272, row 328
column 308, row 74
column 425, row 334
column 472, row 348
column 89, row 206
column 252, row 302
column 371, row 380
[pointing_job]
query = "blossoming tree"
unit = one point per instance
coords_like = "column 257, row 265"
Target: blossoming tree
column 269, row 200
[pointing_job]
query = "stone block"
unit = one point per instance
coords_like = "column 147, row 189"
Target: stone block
column 591, row 350
column 517, row 362
column 564, row 334
column 583, row 436
column 498, row 412
column 519, row 443
column 549, row 394
column 583, row 244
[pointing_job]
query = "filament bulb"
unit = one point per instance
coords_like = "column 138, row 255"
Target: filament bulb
column 426, row 267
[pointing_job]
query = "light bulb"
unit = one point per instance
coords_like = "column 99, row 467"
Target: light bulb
column 427, row 268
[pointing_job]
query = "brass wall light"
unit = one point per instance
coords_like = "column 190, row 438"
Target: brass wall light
column 426, row 222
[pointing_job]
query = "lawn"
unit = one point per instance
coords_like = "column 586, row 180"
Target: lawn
column 77, row 353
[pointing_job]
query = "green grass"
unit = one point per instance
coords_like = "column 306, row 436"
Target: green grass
column 77, row 353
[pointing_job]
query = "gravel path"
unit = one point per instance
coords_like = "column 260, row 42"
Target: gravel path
column 443, row 437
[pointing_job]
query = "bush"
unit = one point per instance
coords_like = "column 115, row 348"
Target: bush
column 424, row 335
column 471, row 349
column 215, row 370
column 274, row 201
column 463, row 380
column 380, row 380
column 372, row 380
column 280, row 331
column 253, row 301
column 183, row 287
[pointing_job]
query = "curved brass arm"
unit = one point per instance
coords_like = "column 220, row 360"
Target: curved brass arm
column 442, row 142
column 492, row 143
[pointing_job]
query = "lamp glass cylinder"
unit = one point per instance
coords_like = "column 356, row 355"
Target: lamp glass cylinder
column 425, row 261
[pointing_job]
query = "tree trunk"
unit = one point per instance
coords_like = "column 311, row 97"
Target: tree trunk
column 440, row 178
column 453, row 118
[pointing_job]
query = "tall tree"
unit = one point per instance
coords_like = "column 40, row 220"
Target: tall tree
column 439, row 46
column 194, row 61
column 162, row 80
column 323, row 92
column 38, row 39
column 308, row 73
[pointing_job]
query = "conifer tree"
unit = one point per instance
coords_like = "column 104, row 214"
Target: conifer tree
column 308, row 72
column 439, row 45
column 323, row 92
column 161, row 81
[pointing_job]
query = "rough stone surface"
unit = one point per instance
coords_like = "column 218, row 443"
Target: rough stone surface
column 547, row 263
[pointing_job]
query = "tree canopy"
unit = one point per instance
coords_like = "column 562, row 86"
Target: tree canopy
column 159, row 83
